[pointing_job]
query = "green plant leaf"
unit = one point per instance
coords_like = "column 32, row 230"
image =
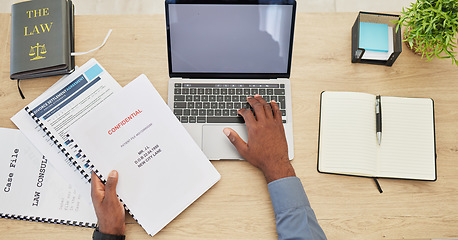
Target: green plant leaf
column 432, row 27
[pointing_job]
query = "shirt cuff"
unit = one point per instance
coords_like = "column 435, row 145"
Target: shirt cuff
column 287, row 193
column 102, row 236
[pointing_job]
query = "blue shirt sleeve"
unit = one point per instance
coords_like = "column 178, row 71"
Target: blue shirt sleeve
column 294, row 216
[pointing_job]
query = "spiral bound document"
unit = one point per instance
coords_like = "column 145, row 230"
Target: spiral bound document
column 83, row 94
column 161, row 169
column 33, row 190
column 56, row 110
column 43, row 143
column 61, row 106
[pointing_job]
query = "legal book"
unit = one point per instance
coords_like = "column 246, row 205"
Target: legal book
column 348, row 142
column 161, row 169
column 33, row 190
column 42, row 38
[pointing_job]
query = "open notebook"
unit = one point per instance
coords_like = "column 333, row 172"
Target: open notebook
column 348, row 143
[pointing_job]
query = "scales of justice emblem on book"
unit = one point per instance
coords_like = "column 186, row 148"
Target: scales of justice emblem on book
column 36, row 51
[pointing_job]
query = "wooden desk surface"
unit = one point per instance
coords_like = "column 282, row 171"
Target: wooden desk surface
column 239, row 207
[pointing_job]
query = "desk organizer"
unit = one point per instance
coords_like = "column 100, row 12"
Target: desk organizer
column 357, row 53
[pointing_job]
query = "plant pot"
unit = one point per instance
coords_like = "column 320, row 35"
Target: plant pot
column 414, row 46
column 406, row 32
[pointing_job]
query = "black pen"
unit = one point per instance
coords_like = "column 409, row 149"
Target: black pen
column 378, row 118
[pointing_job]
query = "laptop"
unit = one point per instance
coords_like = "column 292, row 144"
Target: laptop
column 221, row 52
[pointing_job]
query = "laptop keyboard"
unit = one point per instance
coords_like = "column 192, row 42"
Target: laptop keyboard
column 218, row 103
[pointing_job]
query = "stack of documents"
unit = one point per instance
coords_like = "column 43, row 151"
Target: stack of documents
column 87, row 122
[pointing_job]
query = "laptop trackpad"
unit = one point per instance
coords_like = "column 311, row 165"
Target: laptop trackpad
column 217, row 146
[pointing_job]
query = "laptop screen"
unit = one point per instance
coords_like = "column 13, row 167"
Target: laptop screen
column 230, row 40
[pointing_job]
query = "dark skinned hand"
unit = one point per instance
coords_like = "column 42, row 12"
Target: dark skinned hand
column 109, row 210
column 266, row 147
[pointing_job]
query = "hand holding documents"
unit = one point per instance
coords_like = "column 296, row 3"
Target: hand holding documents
column 350, row 140
column 161, row 169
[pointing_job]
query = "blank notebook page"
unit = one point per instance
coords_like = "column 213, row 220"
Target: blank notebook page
column 347, row 133
column 408, row 148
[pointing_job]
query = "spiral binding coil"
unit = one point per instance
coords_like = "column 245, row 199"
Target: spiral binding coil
column 48, row 220
column 59, row 145
column 78, row 167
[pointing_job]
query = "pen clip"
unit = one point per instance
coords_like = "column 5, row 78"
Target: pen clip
column 378, row 119
column 377, row 104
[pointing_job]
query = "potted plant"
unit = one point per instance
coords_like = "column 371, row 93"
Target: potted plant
column 431, row 28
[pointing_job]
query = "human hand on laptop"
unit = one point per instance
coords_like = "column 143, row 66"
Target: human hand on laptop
column 266, row 147
column 109, row 210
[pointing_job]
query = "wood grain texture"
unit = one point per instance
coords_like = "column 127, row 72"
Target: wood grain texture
column 238, row 207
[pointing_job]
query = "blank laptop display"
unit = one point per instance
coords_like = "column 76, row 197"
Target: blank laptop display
column 232, row 39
